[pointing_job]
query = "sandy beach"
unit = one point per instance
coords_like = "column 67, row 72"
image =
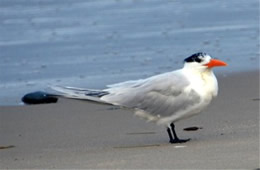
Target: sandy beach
column 90, row 44
column 78, row 134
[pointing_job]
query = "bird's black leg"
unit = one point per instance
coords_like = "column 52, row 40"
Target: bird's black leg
column 176, row 139
column 170, row 134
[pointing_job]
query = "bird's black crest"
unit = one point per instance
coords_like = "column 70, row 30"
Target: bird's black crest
column 195, row 57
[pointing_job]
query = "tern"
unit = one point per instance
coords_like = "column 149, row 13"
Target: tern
column 165, row 98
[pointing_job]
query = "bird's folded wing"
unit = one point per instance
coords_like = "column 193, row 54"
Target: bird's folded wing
column 164, row 94
column 79, row 93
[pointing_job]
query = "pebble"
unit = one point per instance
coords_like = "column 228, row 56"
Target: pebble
column 39, row 97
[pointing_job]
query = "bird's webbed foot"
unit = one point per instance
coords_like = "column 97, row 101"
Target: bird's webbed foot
column 172, row 133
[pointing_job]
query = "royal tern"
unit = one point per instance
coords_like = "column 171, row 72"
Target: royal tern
column 165, row 98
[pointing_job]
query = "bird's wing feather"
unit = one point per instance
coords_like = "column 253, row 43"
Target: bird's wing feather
column 159, row 95
column 79, row 93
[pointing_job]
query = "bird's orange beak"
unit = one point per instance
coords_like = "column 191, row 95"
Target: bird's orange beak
column 215, row 63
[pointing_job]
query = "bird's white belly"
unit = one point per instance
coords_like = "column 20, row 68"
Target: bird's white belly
column 184, row 114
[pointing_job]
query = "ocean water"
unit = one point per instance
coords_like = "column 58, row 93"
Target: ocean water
column 90, row 43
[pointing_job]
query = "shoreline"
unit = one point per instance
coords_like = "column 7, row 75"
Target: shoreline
column 220, row 74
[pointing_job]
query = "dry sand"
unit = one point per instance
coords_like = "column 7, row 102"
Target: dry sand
column 78, row 134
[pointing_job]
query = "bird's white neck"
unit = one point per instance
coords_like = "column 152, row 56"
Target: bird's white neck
column 205, row 81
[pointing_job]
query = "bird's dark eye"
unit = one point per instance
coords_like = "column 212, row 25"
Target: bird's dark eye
column 197, row 57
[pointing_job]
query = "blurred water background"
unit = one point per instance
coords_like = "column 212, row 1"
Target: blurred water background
column 91, row 43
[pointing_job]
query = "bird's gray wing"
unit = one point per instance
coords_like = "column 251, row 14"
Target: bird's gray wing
column 161, row 95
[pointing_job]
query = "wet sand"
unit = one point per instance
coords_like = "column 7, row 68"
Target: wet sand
column 79, row 134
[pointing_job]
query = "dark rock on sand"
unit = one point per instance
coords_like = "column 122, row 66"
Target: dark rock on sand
column 39, row 97
column 193, row 128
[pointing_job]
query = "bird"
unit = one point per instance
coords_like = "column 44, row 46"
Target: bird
column 164, row 98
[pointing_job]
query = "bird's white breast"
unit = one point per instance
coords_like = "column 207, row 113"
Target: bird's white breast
column 204, row 83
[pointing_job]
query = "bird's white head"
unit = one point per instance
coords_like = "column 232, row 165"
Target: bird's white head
column 202, row 61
